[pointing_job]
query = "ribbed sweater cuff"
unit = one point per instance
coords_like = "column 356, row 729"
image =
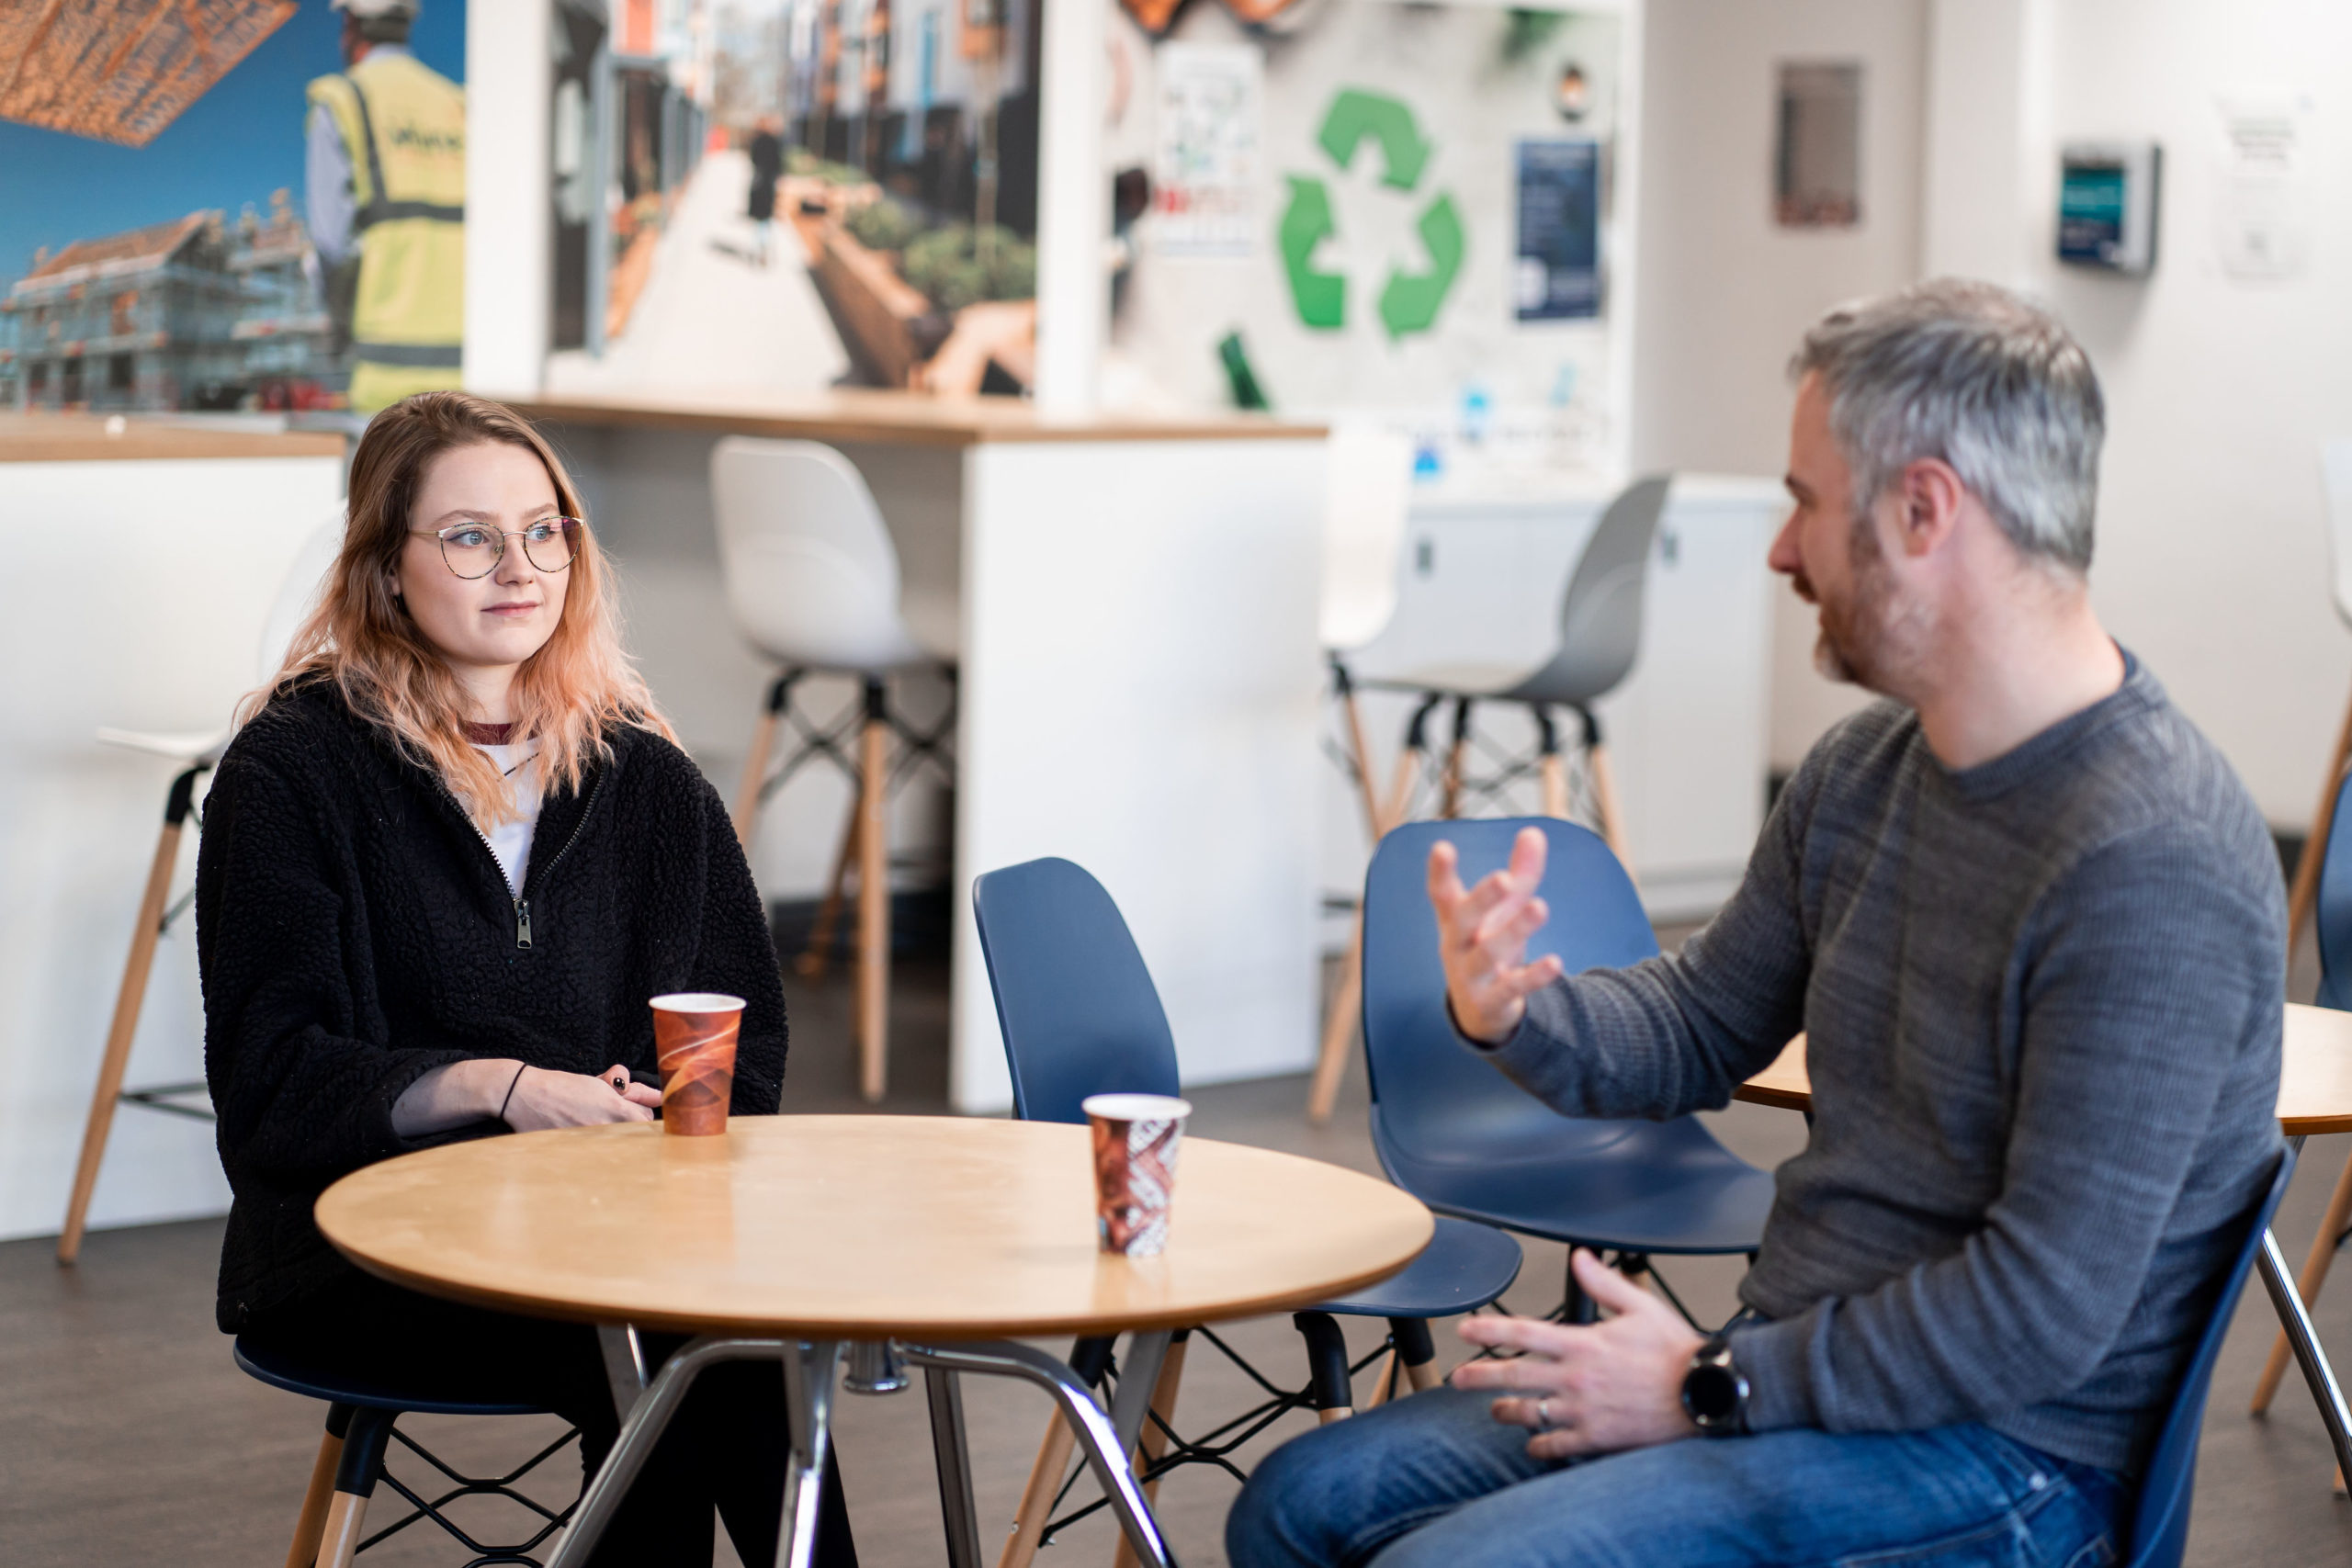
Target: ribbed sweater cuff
column 1772, row 1357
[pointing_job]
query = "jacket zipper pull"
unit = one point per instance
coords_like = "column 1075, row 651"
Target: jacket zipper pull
column 523, row 924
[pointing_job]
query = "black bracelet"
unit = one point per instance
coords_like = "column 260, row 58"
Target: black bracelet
column 520, row 1068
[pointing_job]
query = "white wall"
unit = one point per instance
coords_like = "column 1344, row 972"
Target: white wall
column 2211, row 562
column 1725, row 293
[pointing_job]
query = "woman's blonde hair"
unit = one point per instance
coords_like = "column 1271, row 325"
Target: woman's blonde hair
column 566, row 696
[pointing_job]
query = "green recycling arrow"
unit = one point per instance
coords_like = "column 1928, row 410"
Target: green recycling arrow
column 1356, row 114
column 1409, row 302
column 1321, row 297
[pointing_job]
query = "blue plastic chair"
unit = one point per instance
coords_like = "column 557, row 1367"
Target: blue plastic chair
column 2333, row 910
column 2160, row 1517
column 1081, row 1016
column 360, row 1430
column 1453, row 1131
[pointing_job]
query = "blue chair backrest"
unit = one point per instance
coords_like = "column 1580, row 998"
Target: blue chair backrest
column 2160, row 1522
column 1433, row 1095
column 2336, row 907
column 1077, row 1008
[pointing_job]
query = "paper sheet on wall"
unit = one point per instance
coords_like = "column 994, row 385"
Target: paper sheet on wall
column 2261, row 208
column 1211, row 128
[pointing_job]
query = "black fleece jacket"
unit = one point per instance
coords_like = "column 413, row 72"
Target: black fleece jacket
column 355, row 932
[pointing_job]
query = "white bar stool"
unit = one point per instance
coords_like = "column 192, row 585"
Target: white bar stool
column 812, row 580
column 195, row 752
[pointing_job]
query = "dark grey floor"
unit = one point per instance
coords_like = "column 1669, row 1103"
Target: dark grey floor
column 127, row 1437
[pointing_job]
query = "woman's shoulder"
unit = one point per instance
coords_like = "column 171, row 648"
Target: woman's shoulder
column 296, row 725
column 652, row 761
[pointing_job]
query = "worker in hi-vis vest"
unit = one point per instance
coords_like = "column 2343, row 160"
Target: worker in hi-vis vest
column 386, row 188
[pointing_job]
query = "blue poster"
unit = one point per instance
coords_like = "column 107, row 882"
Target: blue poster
column 1558, row 272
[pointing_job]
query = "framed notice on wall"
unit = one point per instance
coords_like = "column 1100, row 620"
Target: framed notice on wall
column 1557, row 276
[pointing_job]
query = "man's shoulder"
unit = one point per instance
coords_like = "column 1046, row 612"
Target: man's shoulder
column 2153, row 778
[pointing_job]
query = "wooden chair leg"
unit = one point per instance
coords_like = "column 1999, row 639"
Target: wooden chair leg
column 1384, row 1382
column 872, row 900
column 128, row 1001
column 755, row 766
column 1153, row 1445
column 310, row 1527
column 1339, row 1030
column 2315, row 1275
column 2305, row 892
column 1611, row 810
column 811, row 962
column 1553, row 775
column 1376, row 815
column 1456, row 759
column 1037, row 1497
column 340, row 1541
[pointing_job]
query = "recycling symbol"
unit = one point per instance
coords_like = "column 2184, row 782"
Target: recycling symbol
column 1408, row 301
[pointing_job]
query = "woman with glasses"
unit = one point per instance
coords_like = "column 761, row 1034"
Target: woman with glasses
column 453, row 851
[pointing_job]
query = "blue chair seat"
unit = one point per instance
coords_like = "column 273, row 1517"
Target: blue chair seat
column 1464, row 1267
column 1648, row 1187
column 295, row 1376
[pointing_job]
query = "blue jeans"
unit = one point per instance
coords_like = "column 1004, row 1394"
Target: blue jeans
column 1433, row 1480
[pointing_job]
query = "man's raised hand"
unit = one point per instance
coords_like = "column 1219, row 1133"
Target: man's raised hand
column 1482, row 935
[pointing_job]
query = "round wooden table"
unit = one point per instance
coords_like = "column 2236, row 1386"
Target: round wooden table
column 929, row 1240
column 2315, row 1096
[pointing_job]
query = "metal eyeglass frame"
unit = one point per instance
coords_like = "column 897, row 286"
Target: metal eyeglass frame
column 576, row 525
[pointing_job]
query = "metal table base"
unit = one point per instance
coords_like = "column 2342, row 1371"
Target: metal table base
column 811, row 1370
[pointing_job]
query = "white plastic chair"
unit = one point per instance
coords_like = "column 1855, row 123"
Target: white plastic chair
column 813, row 582
column 1368, row 494
column 196, row 751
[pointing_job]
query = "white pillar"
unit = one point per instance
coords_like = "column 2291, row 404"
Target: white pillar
column 1073, row 206
column 509, row 74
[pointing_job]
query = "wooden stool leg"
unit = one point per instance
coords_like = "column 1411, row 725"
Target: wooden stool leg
column 1384, row 1382
column 810, row 965
column 1375, row 817
column 1037, row 1497
column 310, row 1527
column 1449, row 806
column 127, row 1003
column 1153, row 1445
column 872, row 900
column 339, row 1543
column 2305, row 892
column 755, row 766
column 2315, row 1275
column 1339, row 1030
column 1607, row 804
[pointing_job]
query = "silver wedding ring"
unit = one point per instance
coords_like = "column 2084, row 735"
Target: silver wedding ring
column 1543, row 1415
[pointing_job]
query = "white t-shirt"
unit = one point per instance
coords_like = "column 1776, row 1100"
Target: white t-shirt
column 511, row 839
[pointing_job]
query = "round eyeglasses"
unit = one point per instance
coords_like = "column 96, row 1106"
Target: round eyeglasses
column 474, row 550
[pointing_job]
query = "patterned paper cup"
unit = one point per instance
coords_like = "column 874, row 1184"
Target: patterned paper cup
column 1135, row 1137
column 694, row 1039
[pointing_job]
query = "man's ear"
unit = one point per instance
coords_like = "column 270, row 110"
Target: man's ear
column 1931, row 497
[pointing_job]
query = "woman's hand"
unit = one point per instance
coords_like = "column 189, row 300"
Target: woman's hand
column 544, row 1099
column 1587, row 1390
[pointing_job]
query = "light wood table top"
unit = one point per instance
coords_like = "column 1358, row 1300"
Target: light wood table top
column 859, row 1228
column 904, row 419
column 2314, row 1075
column 77, row 438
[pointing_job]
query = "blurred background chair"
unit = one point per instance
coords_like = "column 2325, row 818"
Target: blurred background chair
column 195, row 752
column 1454, row 1133
column 2331, row 859
column 361, row 1428
column 1079, row 1016
column 812, row 580
column 1600, row 635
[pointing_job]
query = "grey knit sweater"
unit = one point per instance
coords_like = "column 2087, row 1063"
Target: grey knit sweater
column 2043, row 1002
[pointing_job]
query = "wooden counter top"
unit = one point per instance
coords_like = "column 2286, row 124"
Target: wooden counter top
column 81, row 438
column 902, row 419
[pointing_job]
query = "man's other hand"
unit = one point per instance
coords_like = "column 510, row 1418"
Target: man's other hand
column 1482, row 935
column 1590, row 1390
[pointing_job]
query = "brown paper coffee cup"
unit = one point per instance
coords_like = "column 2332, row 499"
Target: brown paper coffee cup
column 1135, row 1138
column 693, row 1040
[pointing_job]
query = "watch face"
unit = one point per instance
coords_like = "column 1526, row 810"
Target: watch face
column 1711, row 1394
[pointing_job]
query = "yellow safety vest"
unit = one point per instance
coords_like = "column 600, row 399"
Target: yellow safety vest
column 404, row 128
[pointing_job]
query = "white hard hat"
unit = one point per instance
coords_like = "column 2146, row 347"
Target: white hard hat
column 371, row 10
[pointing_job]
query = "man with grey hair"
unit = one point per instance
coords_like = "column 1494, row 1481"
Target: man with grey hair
column 2033, row 929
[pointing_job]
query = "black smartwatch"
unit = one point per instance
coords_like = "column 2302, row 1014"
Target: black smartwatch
column 1715, row 1391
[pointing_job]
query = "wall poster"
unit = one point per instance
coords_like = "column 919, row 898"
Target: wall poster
column 767, row 198
column 192, row 221
column 1559, row 229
